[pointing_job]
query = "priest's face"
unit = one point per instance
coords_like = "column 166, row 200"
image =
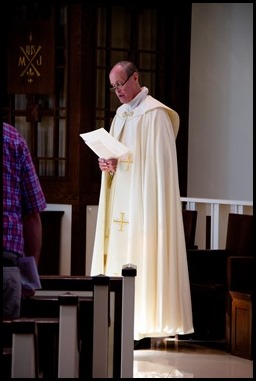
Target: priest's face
column 125, row 87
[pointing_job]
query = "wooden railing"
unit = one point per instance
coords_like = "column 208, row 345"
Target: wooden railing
column 212, row 219
column 211, row 225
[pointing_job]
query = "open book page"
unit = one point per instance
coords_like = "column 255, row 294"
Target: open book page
column 29, row 273
column 104, row 144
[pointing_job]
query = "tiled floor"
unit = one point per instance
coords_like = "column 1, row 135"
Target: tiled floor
column 172, row 359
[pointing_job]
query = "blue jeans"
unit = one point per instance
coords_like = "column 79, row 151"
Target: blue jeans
column 11, row 290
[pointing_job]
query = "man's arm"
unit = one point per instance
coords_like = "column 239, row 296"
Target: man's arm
column 32, row 230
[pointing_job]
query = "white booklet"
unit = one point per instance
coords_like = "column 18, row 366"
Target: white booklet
column 29, row 273
column 104, row 144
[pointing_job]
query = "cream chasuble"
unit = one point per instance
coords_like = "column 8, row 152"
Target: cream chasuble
column 140, row 220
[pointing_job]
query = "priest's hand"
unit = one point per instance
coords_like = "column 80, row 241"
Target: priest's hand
column 107, row 165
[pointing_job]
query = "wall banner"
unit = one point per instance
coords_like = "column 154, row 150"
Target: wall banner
column 31, row 58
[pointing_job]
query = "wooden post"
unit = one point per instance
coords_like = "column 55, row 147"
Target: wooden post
column 24, row 349
column 68, row 360
column 127, row 340
column 100, row 326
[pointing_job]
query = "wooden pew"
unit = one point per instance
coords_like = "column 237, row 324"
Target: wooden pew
column 189, row 222
column 103, row 318
column 208, row 285
column 240, row 276
column 210, row 280
column 24, row 346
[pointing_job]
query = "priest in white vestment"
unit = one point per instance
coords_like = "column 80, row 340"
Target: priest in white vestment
column 139, row 218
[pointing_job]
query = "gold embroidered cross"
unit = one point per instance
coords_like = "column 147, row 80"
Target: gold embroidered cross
column 127, row 161
column 121, row 222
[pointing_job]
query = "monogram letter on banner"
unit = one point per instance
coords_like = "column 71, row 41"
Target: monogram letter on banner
column 31, row 57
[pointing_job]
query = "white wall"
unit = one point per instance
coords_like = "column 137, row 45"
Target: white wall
column 220, row 152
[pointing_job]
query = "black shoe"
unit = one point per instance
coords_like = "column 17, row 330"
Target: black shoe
column 144, row 343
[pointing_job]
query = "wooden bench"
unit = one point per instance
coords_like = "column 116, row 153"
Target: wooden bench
column 103, row 320
column 210, row 280
column 208, row 285
column 240, row 275
column 23, row 351
column 189, row 222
